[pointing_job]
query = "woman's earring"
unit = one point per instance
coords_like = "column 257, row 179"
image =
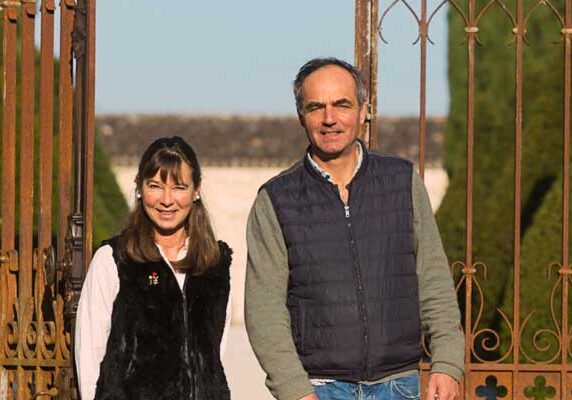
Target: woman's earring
column 138, row 194
column 197, row 198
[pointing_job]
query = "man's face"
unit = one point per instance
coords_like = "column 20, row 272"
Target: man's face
column 330, row 112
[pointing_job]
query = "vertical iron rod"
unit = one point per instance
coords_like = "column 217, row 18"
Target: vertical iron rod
column 423, row 87
column 471, row 32
column 89, row 132
column 9, row 18
column 519, row 35
column 26, row 198
column 565, row 272
column 46, row 143
column 65, row 122
column 366, row 62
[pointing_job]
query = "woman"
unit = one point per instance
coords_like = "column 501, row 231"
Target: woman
column 153, row 305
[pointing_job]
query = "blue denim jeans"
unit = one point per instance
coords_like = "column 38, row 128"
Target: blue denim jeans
column 405, row 388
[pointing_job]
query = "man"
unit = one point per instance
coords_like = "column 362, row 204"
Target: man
column 345, row 263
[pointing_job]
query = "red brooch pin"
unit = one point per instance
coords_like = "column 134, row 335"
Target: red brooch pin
column 153, row 279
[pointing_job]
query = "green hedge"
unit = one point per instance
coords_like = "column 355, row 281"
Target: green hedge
column 494, row 98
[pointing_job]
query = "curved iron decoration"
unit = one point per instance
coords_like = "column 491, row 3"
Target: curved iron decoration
column 473, row 27
column 491, row 340
column 26, row 334
column 535, row 7
column 503, row 7
column 413, row 13
column 540, row 340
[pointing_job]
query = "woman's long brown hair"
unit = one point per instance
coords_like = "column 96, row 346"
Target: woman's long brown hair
column 137, row 243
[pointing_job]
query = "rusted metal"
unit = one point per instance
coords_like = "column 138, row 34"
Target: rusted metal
column 78, row 238
column 35, row 337
column 65, row 123
column 423, row 23
column 468, row 326
column 565, row 270
column 25, row 249
column 46, row 146
column 9, row 21
column 7, row 240
column 423, row 34
column 46, row 119
column 89, row 127
column 366, row 61
column 518, row 31
column 513, row 373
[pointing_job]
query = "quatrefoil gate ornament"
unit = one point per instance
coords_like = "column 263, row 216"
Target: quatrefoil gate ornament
column 491, row 390
column 540, row 391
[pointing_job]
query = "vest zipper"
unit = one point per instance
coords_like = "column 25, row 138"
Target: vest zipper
column 186, row 335
column 357, row 270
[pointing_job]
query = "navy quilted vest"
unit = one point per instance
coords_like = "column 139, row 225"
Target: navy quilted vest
column 352, row 290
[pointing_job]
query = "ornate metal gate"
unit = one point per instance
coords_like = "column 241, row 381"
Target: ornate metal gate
column 46, row 206
column 513, row 374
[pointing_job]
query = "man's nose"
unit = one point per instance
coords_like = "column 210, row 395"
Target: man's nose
column 329, row 117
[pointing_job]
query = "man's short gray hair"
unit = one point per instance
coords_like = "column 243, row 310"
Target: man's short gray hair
column 317, row 63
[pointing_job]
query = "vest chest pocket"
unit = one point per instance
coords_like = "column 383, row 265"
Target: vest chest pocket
column 297, row 323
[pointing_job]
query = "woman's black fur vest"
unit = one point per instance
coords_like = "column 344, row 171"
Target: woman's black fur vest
column 165, row 343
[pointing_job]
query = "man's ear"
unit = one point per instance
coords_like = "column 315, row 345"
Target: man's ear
column 363, row 113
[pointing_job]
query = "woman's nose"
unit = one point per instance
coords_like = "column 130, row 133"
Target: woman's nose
column 167, row 197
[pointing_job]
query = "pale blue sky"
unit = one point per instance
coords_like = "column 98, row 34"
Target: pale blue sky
column 239, row 57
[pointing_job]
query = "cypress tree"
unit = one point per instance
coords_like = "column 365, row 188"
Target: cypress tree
column 493, row 191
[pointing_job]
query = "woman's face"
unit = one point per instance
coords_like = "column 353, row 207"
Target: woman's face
column 168, row 204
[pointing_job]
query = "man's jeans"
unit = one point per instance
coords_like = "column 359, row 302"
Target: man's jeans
column 405, row 388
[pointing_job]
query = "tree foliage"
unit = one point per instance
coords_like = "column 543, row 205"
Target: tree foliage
column 494, row 162
column 110, row 208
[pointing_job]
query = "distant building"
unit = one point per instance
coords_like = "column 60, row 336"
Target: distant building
column 246, row 140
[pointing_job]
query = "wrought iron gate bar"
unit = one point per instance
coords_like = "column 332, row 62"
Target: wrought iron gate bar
column 65, row 130
column 468, row 327
column 25, row 248
column 566, row 380
column 366, row 61
column 7, row 281
column 35, row 340
column 89, row 115
column 46, row 142
column 512, row 367
column 9, row 17
column 514, row 373
column 516, row 332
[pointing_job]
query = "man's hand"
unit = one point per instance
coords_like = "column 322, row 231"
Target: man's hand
column 311, row 396
column 442, row 387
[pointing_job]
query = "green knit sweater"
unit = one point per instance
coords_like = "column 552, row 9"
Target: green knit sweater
column 268, row 321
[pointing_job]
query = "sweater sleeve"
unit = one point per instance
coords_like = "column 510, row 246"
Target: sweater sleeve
column 266, row 316
column 93, row 321
column 440, row 316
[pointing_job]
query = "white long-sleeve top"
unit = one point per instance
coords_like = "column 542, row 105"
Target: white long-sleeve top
column 93, row 321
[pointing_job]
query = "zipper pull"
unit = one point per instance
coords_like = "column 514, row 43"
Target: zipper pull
column 347, row 210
